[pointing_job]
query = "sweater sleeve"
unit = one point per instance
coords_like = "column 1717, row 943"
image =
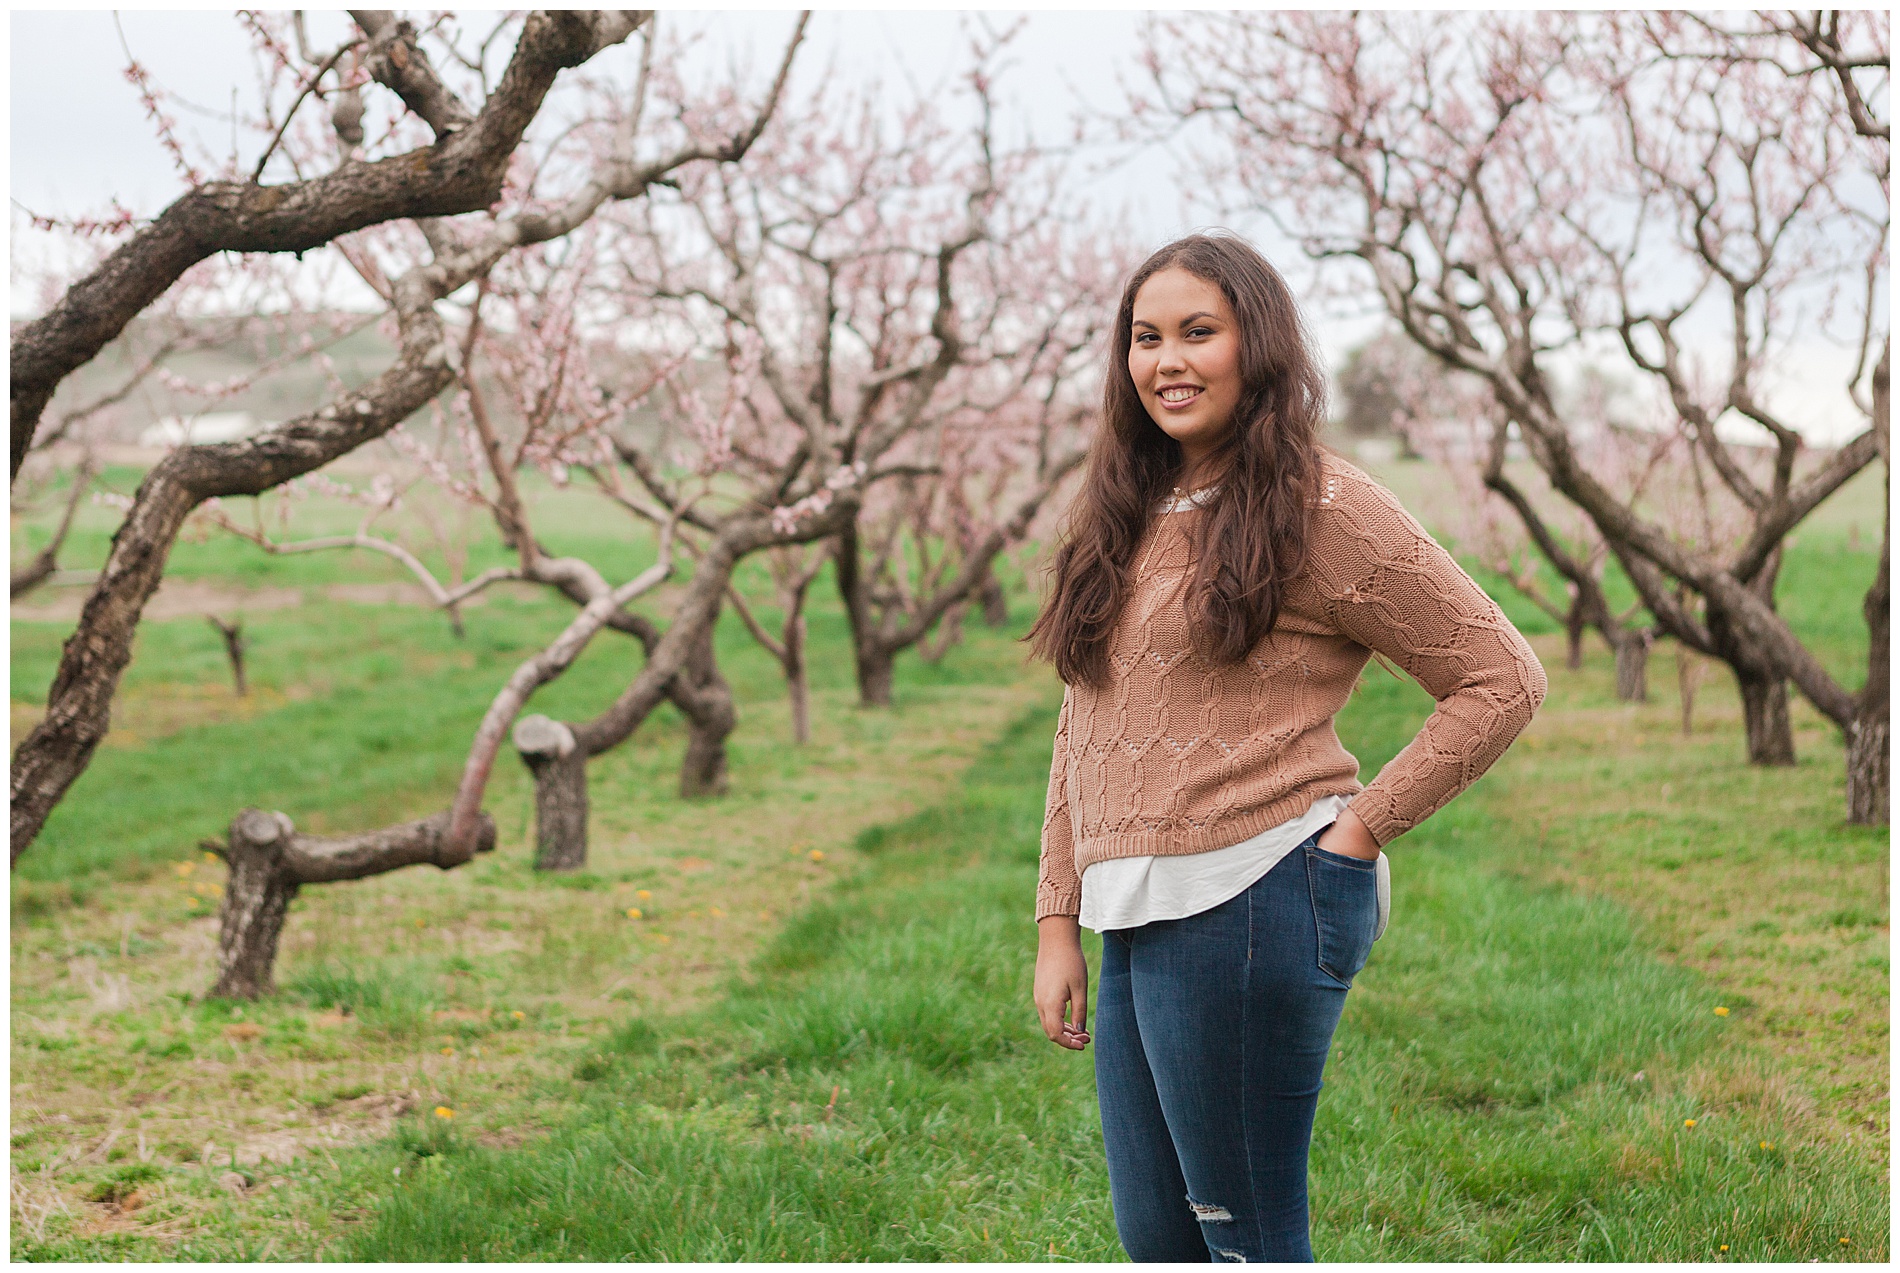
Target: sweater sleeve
column 1060, row 890
column 1389, row 586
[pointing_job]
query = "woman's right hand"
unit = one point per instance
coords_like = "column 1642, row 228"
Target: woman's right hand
column 1062, row 982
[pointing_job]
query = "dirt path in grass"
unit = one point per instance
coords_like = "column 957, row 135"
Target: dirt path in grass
column 192, row 598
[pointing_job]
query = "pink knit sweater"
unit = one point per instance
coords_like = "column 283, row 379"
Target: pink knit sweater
column 1175, row 755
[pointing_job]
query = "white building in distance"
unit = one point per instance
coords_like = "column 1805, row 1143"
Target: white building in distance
column 196, row 430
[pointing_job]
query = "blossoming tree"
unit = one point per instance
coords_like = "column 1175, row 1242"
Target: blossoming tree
column 1689, row 196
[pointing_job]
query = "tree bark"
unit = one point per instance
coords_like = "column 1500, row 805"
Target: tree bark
column 559, row 766
column 877, row 670
column 1765, row 720
column 798, row 681
column 1688, row 676
column 1632, row 665
column 1574, row 625
column 269, row 862
column 1767, row 727
column 257, row 892
column 1868, row 752
column 710, row 720
column 1868, row 743
column 994, row 600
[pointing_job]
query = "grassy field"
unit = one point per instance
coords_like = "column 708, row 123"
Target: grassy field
column 789, row 1058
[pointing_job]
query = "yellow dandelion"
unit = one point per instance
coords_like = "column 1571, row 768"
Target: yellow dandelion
column 1721, row 1012
column 420, row 923
column 444, row 1112
column 716, row 913
column 644, row 895
column 184, row 868
column 211, row 857
column 661, row 937
column 816, row 855
column 1725, row 1246
column 1766, row 1145
column 1844, row 1242
column 519, row 1016
column 634, row 912
column 1688, row 1122
column 448, row 1051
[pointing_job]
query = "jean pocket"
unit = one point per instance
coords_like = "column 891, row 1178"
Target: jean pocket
column 1345, row 896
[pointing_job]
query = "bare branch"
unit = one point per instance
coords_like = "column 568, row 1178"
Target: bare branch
column 46, row 562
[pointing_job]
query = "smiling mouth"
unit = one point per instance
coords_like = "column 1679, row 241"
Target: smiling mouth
column 1175, row 395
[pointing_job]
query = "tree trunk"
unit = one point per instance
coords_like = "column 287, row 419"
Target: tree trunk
column 269, row 862
column 257, row 893
column 710, row 720
column 1632, row 666
column 848, row 574
column 703, row 772
column 1575, row 624
column 1765, row 720
column 1868, row 749
column 876, row 670
column 1765, row 717
column 798, row 680
column 1688, row 676
column 1867, row 741
column 994, row 600
column 559, row 766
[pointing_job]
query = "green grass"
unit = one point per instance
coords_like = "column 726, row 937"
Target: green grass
column 361, row 715
column 1550, row 943
column 1513, row 1080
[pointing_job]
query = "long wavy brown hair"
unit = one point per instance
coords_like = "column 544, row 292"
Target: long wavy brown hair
column 1252, row 538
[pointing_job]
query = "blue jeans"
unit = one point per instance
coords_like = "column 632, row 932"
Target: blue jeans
column 1210, row 1036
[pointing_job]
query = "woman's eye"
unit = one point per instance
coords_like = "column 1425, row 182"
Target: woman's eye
column 1200, row 331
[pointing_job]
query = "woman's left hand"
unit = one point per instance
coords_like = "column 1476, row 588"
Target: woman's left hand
column 1348, row 837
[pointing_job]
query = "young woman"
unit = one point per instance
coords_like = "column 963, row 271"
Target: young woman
column 1222, row 584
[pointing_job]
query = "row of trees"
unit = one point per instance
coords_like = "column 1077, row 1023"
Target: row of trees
column 818, row 325
column 1699, row 199
column 814, row 325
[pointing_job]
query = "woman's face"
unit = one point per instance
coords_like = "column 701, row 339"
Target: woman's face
column 1184, row 357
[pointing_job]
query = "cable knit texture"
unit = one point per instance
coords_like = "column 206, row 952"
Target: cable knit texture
column 1175, row 755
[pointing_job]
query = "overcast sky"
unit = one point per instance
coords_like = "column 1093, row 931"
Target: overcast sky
column 79, row 138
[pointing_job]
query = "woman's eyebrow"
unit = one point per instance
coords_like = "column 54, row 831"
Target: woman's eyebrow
column 1199, row 313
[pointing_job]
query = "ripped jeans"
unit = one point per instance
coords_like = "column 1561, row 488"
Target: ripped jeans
column 1210, row 1035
